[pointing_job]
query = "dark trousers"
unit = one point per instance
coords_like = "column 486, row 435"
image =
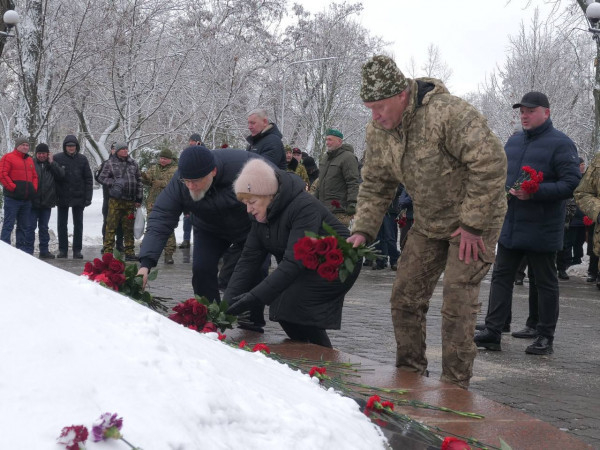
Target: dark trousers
column 39, row 219
column 404, row 232
column 63, row 233
column 187, row 227
column 208, row 249
column 572, row 251
column 388, row 238
column 543, row 290
column 18, row 211
column 305, row 333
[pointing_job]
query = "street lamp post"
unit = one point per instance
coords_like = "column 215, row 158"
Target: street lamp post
column 10, row 18
column 592, row 13
column 284, row 74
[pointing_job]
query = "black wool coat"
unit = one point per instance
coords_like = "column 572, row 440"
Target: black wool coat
column 296, row 294
column 48, row 175
column 76, row 188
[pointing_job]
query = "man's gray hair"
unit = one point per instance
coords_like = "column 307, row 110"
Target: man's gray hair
column 260, row 112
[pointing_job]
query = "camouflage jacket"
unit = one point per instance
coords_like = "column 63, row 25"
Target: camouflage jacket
column 449, row 161
column 587, row 197
column 338, row 178
column 157, row 177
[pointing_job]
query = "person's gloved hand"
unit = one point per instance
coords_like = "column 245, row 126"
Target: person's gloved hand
column 351, row 209
column 241, row 303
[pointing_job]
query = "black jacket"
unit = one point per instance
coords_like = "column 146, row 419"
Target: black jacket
column 538, row 224
column 48, row 173
column 219, row 212
column 296, row 294
column 269, row 145
column 76, row 188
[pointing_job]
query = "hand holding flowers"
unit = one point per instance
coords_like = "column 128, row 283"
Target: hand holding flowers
column 527, row 184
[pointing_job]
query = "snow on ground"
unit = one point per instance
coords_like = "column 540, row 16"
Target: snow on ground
column 72, row 350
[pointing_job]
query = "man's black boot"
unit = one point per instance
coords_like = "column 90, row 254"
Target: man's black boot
column 525, row 333
column 488, row 340
column 541, row 346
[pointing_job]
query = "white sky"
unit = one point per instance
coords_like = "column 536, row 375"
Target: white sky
column 73, row 350
column 472, row 35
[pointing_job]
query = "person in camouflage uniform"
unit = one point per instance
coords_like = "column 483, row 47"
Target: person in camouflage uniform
column 123, row 178
column 157, row 177
column 454, row 167
column 339, row 177
column 587, row 197
column 295, row 166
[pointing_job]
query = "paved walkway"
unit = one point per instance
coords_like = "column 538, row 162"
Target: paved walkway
column 562, row 389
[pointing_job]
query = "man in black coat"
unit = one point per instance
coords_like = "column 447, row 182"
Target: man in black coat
column 41, row 206
column 202, row 185
column 74, row 191
column 265, row 138
column 533, row 226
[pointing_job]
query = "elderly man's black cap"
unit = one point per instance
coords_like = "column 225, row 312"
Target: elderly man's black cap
column 533, row 99
column 195, row 137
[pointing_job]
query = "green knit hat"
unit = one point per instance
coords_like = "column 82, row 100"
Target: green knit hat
column 166, row 153
column 381, row 79
column 334, row 132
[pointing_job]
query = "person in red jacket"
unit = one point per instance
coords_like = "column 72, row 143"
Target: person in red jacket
column 20, row 182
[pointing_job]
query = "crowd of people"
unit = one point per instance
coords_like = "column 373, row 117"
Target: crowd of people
column 436, row 191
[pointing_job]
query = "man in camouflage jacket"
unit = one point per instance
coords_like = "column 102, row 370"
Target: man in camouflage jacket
column 587, row 197
column 339, row 178
column 454, row 168
column 157, row 177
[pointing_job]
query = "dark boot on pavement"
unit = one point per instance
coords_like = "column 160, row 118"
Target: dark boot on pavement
column 185, row 244
column 562, row 275
column 488, row 340
column 525, row 333
column 169, row 259
column 481, row 327
column 131, row 257
column 591, row 278
column 77, row 255
column 541, row 346
column 46, row 255
column 61, row 255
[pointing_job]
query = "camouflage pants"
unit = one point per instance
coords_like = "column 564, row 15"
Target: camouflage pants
column 119, row 211
column 171, row 245
column 420, row 266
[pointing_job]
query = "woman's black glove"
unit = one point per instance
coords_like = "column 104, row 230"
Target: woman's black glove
column 241, row 303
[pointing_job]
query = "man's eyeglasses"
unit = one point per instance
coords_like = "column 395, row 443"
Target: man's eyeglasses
column 192, row 182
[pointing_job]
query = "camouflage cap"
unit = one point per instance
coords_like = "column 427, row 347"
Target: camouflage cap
column 166, row 153
column 381, row 79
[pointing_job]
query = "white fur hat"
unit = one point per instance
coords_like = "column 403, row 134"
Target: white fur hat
column 257, row 178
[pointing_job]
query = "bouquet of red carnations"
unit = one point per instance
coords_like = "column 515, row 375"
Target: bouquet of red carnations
column 331, row 256
column 201, row 315
column 529, row 181
column 112, row 272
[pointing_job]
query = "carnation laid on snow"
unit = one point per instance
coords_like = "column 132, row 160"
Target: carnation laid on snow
column 84, row 350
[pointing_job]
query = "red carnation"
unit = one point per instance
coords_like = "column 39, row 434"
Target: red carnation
column 319, row 370
column 401, row 222
column 131, row 216
column 99, row 265
column 107, row 258
column 328, row 271
column 452, row 443
column 335, row 256
column 586, row 221
column 243, row 344
column 116, row 266
column 336, row 204
column 117, row 278
column 221, row 336
column 261, row 348
column 372, row 400
column 310, row 261
column 325, row 245
column 88, row 268
column 72, row 436
column 209, row 327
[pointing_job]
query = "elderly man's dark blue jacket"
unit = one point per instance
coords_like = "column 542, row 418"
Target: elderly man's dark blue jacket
column 219, row 212
column 537, row 224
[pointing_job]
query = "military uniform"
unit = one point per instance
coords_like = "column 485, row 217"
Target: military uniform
column 587, row 197
column 157, row 177
column 454, row 168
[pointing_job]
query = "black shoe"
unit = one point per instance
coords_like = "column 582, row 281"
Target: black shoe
column 562, row 275
column 131, row 258
column 77, row 255
column 488, row 340
column 525, row 333
column 591, row 278
column 47, row 255
column 541, row 346
column 367, row 262
column 185, row 244
column 251, row 326
column 481, row 327
column 61, row 255
column 519, row 282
